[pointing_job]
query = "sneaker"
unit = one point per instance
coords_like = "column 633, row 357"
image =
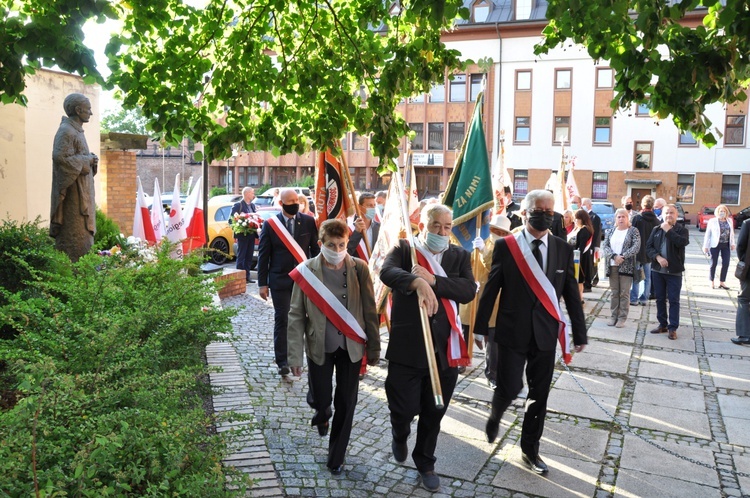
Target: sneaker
column 612, row 322
column 620, row 324
column 633, row 303
column 430, row 480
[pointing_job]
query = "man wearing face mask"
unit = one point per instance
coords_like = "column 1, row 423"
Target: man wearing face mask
column 659, row 207
column 365, row 225
column 512, row 209
column 537, row 269
column 627, row 204
column 439, row 283
column 286, row 240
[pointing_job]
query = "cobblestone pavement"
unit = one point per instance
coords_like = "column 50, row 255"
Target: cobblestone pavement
column 653, row 407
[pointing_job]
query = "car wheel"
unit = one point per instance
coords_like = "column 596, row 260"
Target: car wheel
column 219, row 250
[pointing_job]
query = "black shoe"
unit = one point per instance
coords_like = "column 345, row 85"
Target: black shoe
column 250, row 281
column 491, row 429
column 492, row 384
column 430, row 480
column 337, row 471
column 284, row 371
column 586, row 289
column 400, row 451
column 323, row 429
column 741, row 340
column 536, row 464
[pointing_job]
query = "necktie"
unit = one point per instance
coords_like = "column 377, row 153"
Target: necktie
column 537, row 252
column 290, row 226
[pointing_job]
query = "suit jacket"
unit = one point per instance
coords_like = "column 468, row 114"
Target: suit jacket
column 558, row 229
column 308, row 322
column 743, row 243
column 596, row 222
column 274, row 259
column 242, row 207
column 521, row 315
column 406, row 345
column 356, row 236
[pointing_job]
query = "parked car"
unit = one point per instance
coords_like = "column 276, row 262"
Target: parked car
column 705, row 214
column 220, row 235
column 606, row 211
column 741, row 216
column 680, row 214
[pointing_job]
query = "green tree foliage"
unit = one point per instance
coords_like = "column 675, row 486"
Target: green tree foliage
column 124, row 121
column 678, row 69
column 284, row 76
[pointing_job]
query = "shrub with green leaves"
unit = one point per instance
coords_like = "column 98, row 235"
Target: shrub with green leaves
column 107, row 233
column 218, row 191
column 104, row 380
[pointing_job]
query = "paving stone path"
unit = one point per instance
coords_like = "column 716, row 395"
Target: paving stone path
column 668, row 404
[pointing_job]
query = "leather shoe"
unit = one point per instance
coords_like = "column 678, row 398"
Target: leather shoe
column 491, row 429
column 672, row 334
column 284, row 371
column 399, row 450
column 741, row 340
column 323, row 429
column 658, row 330
column 430, row 480
column 251, row 281
column 337, row 471
column 535, row 463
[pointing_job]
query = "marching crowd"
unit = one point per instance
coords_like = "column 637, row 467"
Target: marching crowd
column 325, row 310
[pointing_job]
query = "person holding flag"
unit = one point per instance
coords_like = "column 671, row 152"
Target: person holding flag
column 364, row 228
column 538, row 269
column 286, row 240
column 333, row 314
column 439, row 282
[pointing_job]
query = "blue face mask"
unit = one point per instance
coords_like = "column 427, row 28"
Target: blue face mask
column 657, row 211
column 436, row 243
column 574, row 206
column 370, row 213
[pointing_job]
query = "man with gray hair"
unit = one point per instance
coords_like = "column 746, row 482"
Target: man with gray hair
column 73, row 208
column 439, row 282
column 245, row 243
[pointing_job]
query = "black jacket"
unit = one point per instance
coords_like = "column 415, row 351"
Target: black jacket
column 743, row 240
column 596, row 222
column 677, row 238
column 645, row 222
column 274, row 259
column 356, row 237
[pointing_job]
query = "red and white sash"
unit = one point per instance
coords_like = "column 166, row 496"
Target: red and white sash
column 588, row 244
column 287, row 239
column 361, row 247
column 326, row 302
column 540, row 285
column 458, row 355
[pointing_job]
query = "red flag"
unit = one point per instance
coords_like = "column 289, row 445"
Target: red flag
column 332, row 196
column 196, row 229
column 142, row 226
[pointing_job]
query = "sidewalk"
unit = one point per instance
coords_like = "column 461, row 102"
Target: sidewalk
column 691, row 397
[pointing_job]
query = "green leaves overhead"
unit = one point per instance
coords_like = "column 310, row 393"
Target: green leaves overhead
column 659, row 55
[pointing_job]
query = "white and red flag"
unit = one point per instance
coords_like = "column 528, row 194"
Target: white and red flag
column 571, row 188
column 142, row 227
column 196, row 228
column 175, row 228
column 411, row 192
column 157, row 213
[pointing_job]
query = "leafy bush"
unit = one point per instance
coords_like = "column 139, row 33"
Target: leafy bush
column 107, row 233
column 305, row 181
column 104, row 385
column 263, row 188
column 217, row 191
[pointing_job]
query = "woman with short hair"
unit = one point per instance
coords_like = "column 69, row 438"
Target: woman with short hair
column 719, row 239
column 621, row 246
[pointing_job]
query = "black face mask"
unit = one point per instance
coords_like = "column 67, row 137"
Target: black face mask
column 628, row 206
column 541, row 221
column 290, row 209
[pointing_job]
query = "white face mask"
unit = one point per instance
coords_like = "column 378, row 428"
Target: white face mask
column 436, row 243
column 722, row 214
column 333, row 257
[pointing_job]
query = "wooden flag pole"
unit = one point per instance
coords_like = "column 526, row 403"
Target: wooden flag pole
column 476, row 255
column 350, row 187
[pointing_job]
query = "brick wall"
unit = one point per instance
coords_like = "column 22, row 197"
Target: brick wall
column 232, row 283
column 118, row 187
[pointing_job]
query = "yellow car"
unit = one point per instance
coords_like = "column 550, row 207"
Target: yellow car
column 220, row 236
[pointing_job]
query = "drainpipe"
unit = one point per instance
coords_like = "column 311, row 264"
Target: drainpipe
column 498, row 100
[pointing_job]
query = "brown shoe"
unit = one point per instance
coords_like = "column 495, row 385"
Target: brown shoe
column 672, row 334
column 658, row 330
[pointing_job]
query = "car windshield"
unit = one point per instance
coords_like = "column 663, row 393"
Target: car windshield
column 603, row 208
column 267, row 213
column 708, row 210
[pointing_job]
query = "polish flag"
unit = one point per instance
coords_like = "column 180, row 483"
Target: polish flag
column 175, row 228
column 157, row 213
column 142, row 227
column 196, row 230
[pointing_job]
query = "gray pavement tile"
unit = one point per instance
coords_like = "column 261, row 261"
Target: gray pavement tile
column 600, row 330
column 670, row 366
column 742, row 464
column 670, row 396
column 631, row 484
column 580, row 405
column 737, row 430
column 684, row 342
column 577, row 441
column 605, row 356
column 717, row 319
column 730, row 373
column 594, row 384
column 717, row 335
column 670, row 420
column 727, row 347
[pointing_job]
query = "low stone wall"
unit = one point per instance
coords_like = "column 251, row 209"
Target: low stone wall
column 234, row 283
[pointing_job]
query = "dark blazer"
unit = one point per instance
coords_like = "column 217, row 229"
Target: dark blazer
column 356, row 236
column 677, row 238
column 274, row 259
column 520, row 314
column 242, row 207
column 645, row 222
column 743, row 240
column 406, row 345
column 596, row 222
column 558, row 230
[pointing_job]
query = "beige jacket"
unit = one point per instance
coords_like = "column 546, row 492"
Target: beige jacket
column 307, row 324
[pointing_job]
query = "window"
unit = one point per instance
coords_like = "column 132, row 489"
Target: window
column 435, row 132
column 734, row 132
column 599, row 186
column 687, row 139
column 480, row 11
column 562, row 129
column 437, row 93
column 685, row 187
column 602, row 131
column 562, row 79
column 520, row 182
column 476, row 86
column 456, row 132
column 418, row 142
column 642, row 156
column 523, row 80
column 730, row 189
column 343, row 142
column 523, row 9
column 642, row 109
column 604, row 77
column 358, row 142
column 458, row 88
column 417, row 99
column 253, row 176
column 523, row 129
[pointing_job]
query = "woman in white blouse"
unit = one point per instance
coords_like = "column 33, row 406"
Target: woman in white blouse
column 621, row 246
column 719, row 239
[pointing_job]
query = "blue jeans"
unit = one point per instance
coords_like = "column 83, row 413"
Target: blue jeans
column 635, row 294
column 723, row 250
column 667, row 288
column 743, row 309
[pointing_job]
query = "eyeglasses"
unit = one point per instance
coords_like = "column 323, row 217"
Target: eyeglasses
column 550, row 212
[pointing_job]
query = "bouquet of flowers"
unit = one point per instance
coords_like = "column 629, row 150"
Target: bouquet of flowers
column 246, row 223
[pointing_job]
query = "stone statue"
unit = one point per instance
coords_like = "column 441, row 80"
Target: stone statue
column 73, row 210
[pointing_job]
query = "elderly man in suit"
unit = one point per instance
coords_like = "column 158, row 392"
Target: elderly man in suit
column 443, row 274
column 539, row 269
column 286, row 240
column 245, row 243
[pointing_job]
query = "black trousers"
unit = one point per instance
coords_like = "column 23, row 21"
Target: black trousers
column 409, row 393
column 344, row 401
column 282, row 299
column 245, row 251
column 540, row 366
